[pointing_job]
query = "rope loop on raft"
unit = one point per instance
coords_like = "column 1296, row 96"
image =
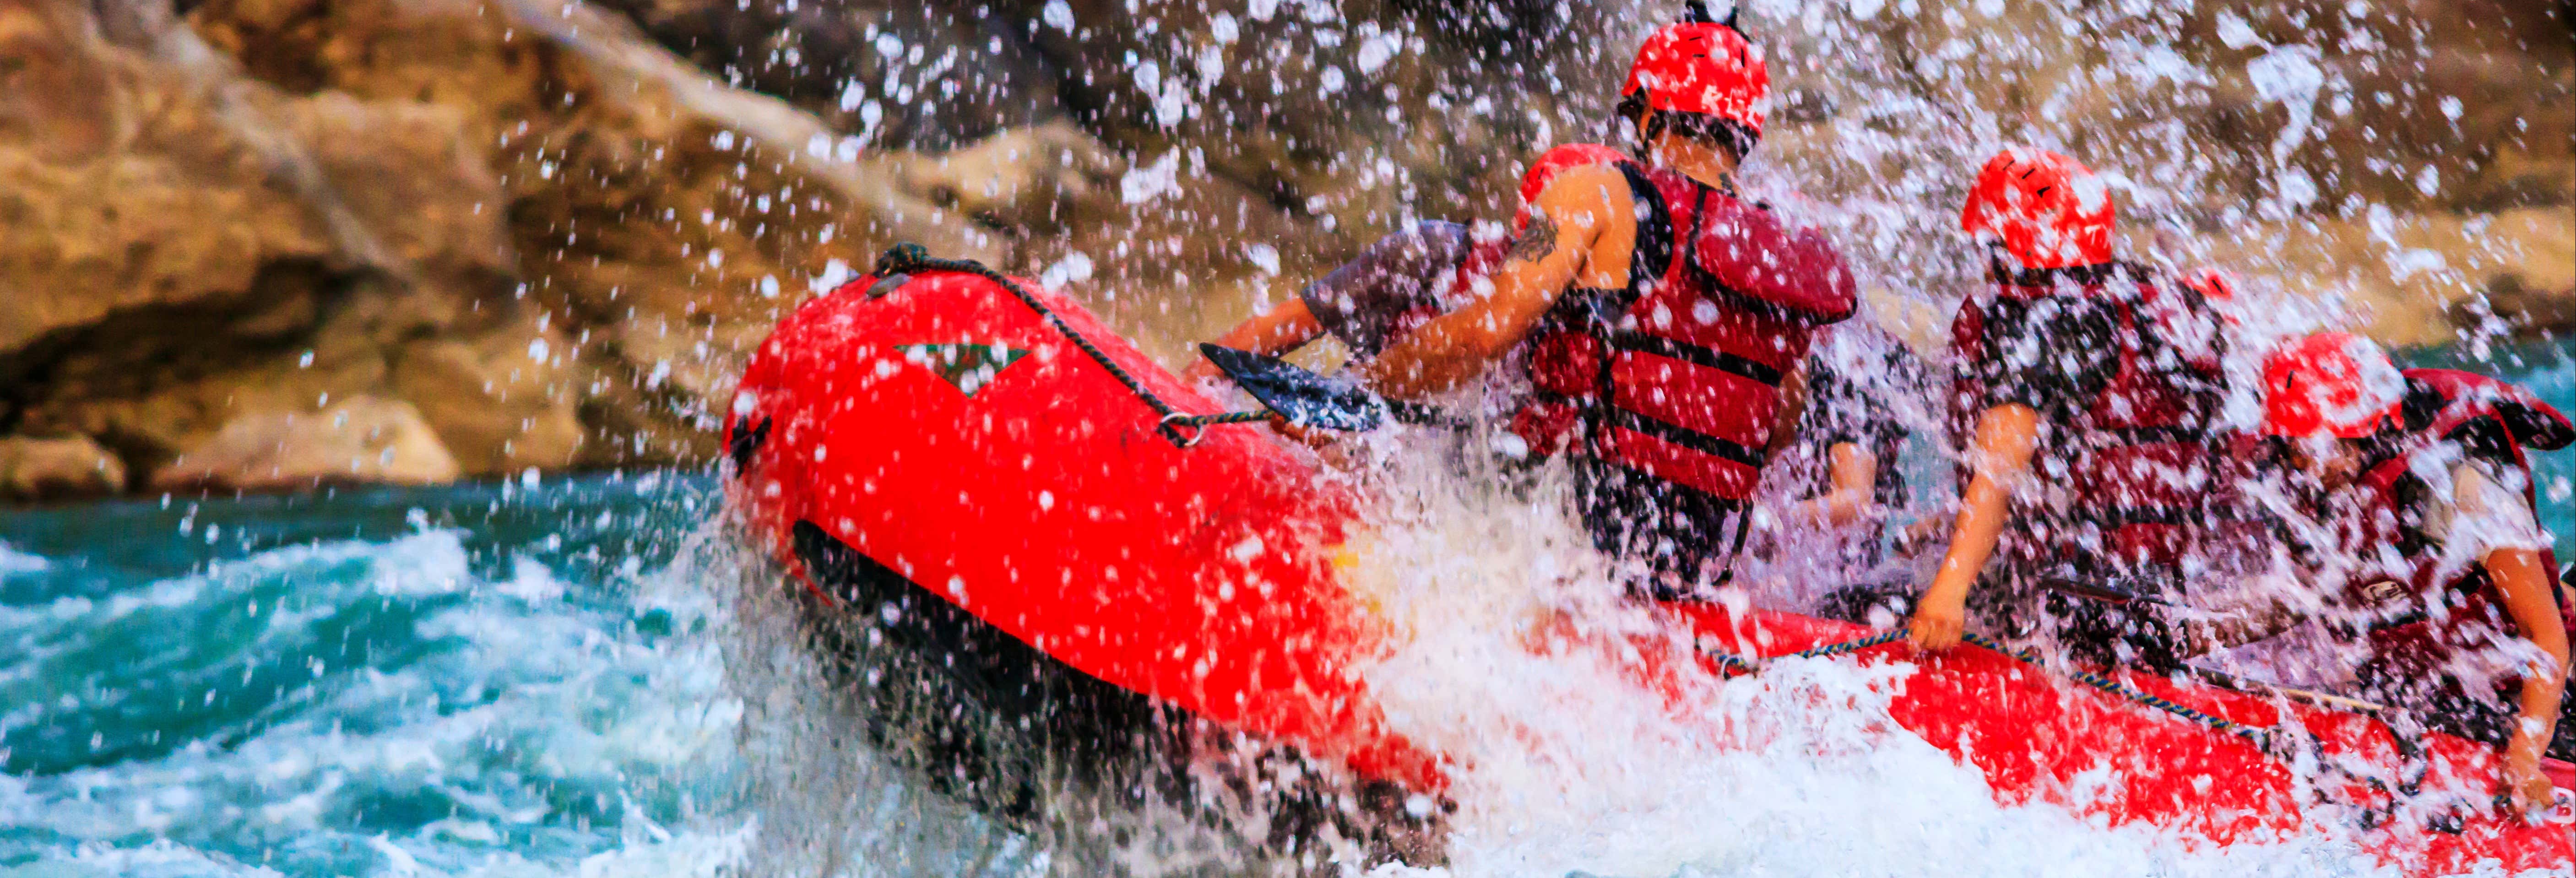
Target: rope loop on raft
column 1740, row 664
column 911, row 258
column 1198, row 423
column 2271, row 741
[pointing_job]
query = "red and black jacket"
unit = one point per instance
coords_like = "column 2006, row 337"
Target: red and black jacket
column 2126, row 373
column 1676, row 376
column 2428, row 610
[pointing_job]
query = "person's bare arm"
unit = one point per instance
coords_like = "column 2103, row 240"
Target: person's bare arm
column 2005, row 438
column 1566, row 223
column 2513, row 561
column 2520, row 575
column 1278, row 330
column 1792, row 408
column 1853, row 471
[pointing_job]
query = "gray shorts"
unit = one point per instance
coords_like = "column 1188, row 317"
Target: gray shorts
column 1364, row 302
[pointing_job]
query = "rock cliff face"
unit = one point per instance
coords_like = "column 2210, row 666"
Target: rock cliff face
column 547, row 246
column 545, row 232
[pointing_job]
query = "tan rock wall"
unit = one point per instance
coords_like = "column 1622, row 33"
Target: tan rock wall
column 54, row 468
column 552, row 246
column 552, row 230
column 365, row 440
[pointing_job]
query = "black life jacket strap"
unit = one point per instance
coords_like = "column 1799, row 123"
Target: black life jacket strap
column 1686, row 438
column 1652, row 256
column 1593, row 305
column 2119, row 516
column 2168, row 435
column 1699, row 355
column 2081, row 275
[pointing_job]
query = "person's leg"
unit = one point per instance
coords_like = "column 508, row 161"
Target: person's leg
column 1685, row 540
column 1608, row 505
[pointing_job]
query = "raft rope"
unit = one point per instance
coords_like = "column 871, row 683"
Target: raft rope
column 1220, row 418
column 1733, row 662
column 908, row 258
column 2263, row 739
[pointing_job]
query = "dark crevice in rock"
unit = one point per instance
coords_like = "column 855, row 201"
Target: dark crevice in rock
column 134, row 352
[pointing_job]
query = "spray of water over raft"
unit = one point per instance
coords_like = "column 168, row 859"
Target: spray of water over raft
column 1143, row 593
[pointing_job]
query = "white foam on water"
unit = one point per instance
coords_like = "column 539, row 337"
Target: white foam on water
column 159, row 859
column 14, row 562
column 555, row 741
column 678, row 854
column 828, row 803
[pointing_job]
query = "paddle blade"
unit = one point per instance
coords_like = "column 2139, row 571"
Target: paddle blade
column 1306, row 399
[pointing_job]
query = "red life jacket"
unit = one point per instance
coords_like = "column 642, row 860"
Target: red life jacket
column 2132, row 463
column 2466, row 407
column 1677, row 375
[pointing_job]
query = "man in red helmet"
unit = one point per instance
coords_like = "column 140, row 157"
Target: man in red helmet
column 2102, row 378
column 2430, row 552
column 1400, row 281
column 1663, row 319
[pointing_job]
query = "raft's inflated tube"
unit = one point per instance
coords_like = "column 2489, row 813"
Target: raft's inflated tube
column 935, row 425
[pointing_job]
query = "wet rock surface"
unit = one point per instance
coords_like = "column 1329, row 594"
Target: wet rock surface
column 366, row 440
column 552, row 229
column 547, row 245
column 57, row 468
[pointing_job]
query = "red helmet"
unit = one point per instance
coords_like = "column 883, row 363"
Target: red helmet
column 1702, row 68
column 2331, row 383
column 2049, row 210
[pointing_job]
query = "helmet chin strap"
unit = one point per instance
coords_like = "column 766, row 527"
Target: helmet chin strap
column 2000, row 263
column 1697, row 12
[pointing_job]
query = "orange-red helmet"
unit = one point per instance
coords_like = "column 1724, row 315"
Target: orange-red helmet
column 2048, row 210
column 2212, row 284
column 2331, row 384
column 1703, row 68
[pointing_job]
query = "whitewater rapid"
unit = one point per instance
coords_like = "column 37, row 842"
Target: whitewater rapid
column 497, row 697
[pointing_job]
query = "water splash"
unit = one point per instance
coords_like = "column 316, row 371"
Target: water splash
column 1517, row 658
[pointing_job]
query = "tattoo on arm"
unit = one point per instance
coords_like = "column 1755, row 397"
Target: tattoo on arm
column 1537, row 240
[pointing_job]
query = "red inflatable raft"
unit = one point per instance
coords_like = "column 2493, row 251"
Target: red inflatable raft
column 952, row 462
